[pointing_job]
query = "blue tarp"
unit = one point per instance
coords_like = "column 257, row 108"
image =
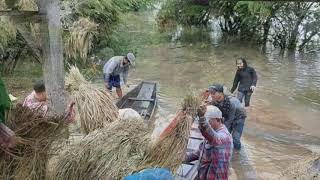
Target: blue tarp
column 151, row 174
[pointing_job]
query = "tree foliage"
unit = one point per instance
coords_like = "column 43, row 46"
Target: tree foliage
column 88, row 27
column 285, row 24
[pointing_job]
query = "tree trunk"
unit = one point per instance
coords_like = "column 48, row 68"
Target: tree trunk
column 292, row 43
column 266, row 28
column 16, row 59
column 52, row 54
column 306, row 40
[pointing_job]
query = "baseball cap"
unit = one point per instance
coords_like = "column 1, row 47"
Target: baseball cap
column 216, row 88
column 212, row 112
column 131, row 58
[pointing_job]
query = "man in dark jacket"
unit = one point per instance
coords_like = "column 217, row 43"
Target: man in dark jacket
column 232, row 110
column 246, row 77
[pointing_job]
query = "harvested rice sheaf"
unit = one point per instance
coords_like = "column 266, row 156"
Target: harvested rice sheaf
column 191, row 103
column 169, row 151
column 95, row 106
column 109, row 153
column 36, row 138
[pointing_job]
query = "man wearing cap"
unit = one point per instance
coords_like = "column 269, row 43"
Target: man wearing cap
column 113, row 68
column 232, row 110
column 215, row 152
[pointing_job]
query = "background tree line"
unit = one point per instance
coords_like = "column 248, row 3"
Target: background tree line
column 287, row 25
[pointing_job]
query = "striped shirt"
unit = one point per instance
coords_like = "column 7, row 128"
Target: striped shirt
column 214, row 154
column 32, row 103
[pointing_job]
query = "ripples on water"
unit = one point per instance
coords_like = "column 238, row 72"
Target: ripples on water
column 285, row 106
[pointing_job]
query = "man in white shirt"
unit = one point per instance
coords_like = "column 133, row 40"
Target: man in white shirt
column 112, row 70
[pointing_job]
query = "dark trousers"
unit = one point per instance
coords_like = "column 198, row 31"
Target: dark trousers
column 246, row 95
column 236, row 129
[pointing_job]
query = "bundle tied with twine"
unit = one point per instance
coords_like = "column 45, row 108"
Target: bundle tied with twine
column 305, row 169
column 36, row 138
column 94, row 105
column 190, row 104
column 82, row 34
column 170, row 149
column 109, row 153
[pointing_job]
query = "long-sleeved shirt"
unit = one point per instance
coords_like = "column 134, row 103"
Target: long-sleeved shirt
column 225, row 106
column 237, row 112
column 32, row 103
column 246, row 78
column 42, row 107
column 231, row 109
column 214, row 154
column 115, row 67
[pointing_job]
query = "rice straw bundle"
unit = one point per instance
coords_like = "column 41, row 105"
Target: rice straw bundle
column 191, row 103
column 108, row 153
column 82, row 34
column 27, row 5
column 169, row 151
column 94, row 105
column 306, row 169
column 34, row 137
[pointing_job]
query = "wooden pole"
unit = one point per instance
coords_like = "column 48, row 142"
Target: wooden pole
column 53, row 66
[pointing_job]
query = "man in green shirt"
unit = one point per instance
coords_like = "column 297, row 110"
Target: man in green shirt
column 6, row 134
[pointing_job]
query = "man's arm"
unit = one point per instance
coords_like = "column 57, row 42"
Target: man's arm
column 125, row 75
column 254, row 77
column 235, row 82
column 209, row 133
column 194, row 155
column 231, row 115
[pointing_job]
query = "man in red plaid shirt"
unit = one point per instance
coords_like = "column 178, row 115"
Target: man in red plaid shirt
column 215, row 152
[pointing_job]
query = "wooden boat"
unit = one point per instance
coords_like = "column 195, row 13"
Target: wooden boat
column 142, row 99
column 189, row 171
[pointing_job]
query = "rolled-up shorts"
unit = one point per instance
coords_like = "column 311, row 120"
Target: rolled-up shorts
column 114, row 81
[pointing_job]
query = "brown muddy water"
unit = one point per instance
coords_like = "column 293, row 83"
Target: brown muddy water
column 283, row 123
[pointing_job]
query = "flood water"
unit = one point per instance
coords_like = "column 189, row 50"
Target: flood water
column 283, row 122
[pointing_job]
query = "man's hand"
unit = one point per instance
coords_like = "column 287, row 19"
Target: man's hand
column 252, row 88
column 202, row 110
column 70, row 117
